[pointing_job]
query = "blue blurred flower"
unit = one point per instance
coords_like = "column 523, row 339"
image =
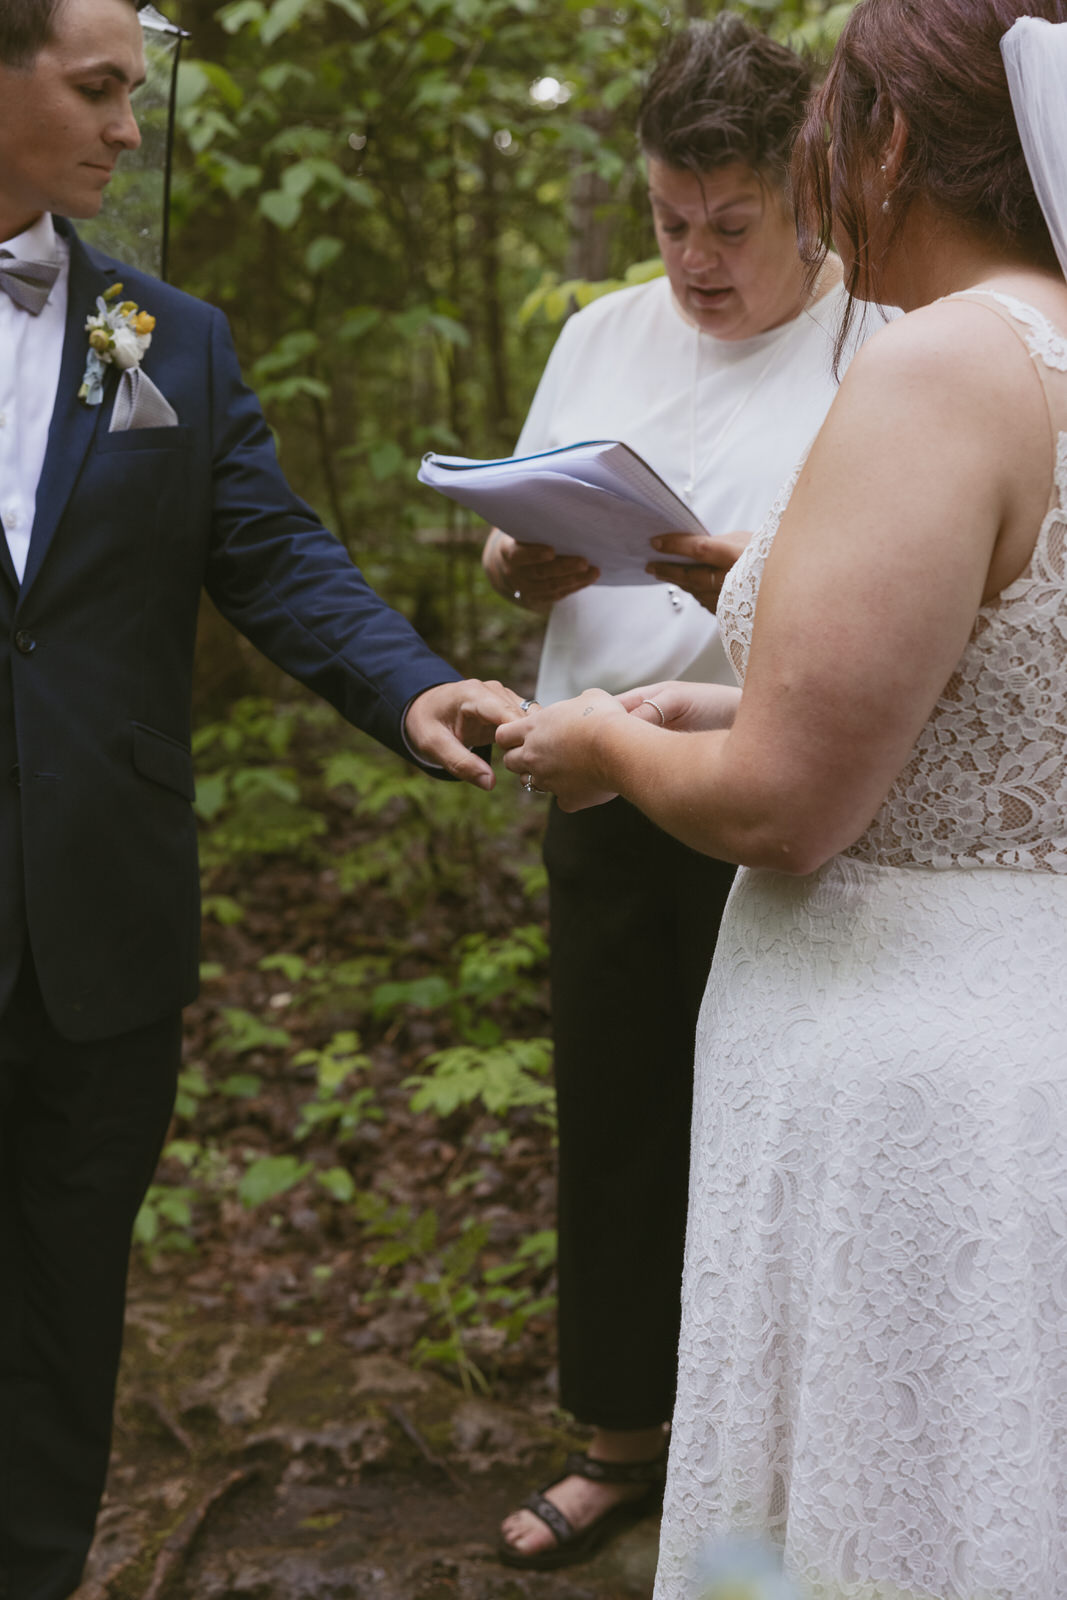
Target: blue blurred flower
column 743, row 1569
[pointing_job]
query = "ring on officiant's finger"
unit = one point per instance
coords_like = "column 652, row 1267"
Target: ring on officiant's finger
column 524, row 706
column 659, row 709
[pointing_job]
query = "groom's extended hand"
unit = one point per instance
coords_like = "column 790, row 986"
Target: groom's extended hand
column 442, row 723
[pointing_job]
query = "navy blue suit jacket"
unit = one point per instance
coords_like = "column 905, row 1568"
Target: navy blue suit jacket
column 97, row 833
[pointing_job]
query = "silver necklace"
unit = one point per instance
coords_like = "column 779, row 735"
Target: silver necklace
column 696, row 470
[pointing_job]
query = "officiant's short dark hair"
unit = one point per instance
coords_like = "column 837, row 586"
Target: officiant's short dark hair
column 723, row 91
column 26, row 27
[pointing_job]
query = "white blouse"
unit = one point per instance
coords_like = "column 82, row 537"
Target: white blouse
column 728, row 417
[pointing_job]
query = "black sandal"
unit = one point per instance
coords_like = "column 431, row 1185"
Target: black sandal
column 579, row 1544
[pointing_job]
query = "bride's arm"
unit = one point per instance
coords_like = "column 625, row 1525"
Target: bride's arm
column 932, row 458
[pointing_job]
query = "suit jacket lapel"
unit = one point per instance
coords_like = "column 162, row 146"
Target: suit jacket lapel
column 73, row 422
column 7, row 566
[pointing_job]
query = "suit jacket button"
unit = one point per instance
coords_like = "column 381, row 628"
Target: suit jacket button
column 25, row 643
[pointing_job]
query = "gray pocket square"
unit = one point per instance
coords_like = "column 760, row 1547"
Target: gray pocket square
column 139, row 404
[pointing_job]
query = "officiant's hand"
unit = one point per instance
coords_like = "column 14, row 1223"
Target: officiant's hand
column 711, row 558
column 442, row 722
column 533, row 575
column 553, row 748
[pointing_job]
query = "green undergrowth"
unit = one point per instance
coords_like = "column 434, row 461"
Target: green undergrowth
column 317, row 1075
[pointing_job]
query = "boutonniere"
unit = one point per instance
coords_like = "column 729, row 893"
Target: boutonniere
column 119, row 335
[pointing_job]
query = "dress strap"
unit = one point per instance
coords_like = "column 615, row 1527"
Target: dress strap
column 1045, row 342
column 1048, row 351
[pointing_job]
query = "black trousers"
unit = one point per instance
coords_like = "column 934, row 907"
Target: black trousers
column 81, row 1126
column 634, row 917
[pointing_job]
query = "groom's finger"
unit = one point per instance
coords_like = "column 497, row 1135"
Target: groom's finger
column 510, row 735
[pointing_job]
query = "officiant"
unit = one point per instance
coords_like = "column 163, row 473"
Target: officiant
column 718, row 373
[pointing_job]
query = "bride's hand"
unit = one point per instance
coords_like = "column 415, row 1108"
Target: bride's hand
column 683, row 707
column 552, row 750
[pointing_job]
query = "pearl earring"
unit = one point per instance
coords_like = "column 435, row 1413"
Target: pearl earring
column 885, row 202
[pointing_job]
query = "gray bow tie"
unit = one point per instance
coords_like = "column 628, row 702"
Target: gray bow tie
column 29, row 283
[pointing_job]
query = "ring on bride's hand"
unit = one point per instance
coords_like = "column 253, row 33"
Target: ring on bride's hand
column 527, row 783
column 524, row 706
column 655, row 707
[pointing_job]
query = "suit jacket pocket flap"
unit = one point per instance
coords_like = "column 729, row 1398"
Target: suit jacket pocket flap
column 179, row 437
column 163, row 760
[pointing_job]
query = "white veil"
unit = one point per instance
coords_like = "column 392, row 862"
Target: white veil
column 1035, row 58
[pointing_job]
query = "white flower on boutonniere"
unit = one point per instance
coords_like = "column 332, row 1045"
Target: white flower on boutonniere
column 119, row 335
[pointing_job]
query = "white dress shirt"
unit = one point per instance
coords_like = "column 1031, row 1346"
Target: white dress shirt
column 732, row 416
column 31, row 350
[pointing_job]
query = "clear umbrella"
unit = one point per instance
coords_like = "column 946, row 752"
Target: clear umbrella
column 133, row 222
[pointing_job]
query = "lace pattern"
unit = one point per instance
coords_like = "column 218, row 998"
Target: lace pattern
column 873, row 1361
column 986, row 784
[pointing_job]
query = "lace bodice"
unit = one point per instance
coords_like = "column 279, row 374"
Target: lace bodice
column 986, row 784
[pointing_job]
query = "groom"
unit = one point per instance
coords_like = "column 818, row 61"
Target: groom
column 119, row 500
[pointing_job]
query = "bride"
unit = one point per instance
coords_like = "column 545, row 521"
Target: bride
column 873, row 1362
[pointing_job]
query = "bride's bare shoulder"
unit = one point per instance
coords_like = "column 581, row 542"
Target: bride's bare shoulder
column 954, row 351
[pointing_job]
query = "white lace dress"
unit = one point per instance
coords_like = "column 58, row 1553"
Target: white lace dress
column 873, row 1362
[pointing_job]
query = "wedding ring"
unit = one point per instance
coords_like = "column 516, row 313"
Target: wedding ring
column 524, row 706
column 528, row 783
column 655, row 707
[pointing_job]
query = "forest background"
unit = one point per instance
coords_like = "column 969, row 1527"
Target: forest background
column 396, row 202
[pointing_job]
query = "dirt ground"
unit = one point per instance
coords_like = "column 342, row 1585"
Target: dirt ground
column 252, row 1464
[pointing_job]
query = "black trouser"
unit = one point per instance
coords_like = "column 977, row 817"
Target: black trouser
column 81, row 1127
column 634, row 917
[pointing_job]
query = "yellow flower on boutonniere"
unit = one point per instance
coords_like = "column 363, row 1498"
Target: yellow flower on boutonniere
column 119, row 335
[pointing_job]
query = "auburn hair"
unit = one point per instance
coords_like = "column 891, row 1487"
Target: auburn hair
column 937, row 63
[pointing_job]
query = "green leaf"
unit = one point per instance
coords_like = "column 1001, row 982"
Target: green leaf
column 212, row 792
column 283, row 15
column 613, row 94
column 260, row 781
column 503, row 1077
column 241, row 1085
column 268, row 1177
column 192, row 1088
column 358, row 321
column 451, row 330
column 236, row 177
column 477, row 124
column 292, row 967
column 224, row 909
column 275, row 77
column 280, row 208
column 427, row 994
column 337, row 1182
column 242, row 1032
column 224, row 84
column 387, row 460
column 645, row 271
column 242, row 13
column 353, row 9
column 436, row 46
column 291, row 348
column 322, row 253
column 193, row 83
